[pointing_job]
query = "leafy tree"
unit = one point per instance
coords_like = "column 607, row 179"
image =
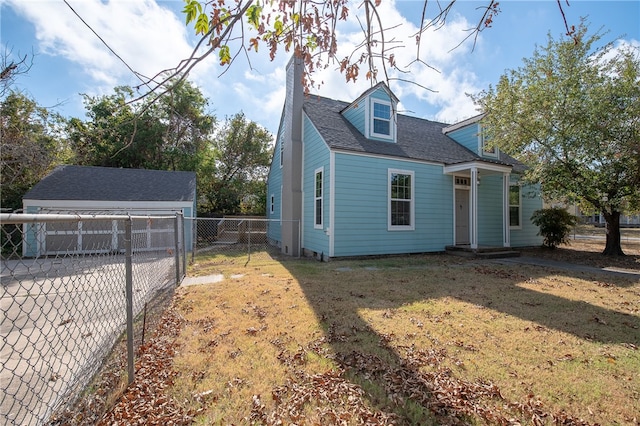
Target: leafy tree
column 555, row 225
column 30, row 146
column 188, row 127
column 170, row 134
column 238, row 166
column 175, row 133
column 572, row 113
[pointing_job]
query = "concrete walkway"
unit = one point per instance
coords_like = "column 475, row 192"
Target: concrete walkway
column 207, row 279
column 527, row 260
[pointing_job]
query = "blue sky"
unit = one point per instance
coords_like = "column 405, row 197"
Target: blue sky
column 150, row 36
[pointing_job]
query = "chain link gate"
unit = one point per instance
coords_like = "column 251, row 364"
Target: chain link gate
column 70, row 286
column 239, row 239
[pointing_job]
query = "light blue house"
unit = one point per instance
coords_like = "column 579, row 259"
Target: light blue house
column 362, row 180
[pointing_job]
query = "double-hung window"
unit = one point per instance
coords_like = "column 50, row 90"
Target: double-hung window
column 381, row 119
column 401, row 200
column 281, row 152
column 318, row 198
column 487, row 149
column 514, row 206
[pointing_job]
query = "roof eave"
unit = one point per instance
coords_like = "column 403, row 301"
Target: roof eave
column 463, row 123
column 481, row 165
column 367, row 92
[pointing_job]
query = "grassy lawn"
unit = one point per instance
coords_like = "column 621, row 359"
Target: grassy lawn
column 428, row 339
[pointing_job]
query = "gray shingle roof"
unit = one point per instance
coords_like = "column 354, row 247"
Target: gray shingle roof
column 113, row 184
column 418, row 139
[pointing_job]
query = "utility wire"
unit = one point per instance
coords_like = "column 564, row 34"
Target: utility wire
column 138, row 75
column 107, row 45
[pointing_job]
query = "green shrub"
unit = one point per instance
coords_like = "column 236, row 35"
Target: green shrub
column 555, row 225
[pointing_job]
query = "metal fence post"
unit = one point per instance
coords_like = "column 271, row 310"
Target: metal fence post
column 129, row 295
column 183, row 246
column 249, row 240
column 194, row 238
column 176, row 233
column 42, row 261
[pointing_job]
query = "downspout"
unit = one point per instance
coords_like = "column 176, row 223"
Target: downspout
column 474, row 208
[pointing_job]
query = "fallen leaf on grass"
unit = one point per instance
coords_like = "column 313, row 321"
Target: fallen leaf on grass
column 145, row 401
column 566, row 357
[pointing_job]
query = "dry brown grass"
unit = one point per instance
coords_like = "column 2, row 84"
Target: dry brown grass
column 411, row 340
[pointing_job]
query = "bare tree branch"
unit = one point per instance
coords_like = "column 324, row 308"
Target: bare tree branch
column 308, row 30
column 10, row 69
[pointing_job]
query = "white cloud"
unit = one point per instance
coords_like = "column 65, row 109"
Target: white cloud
column 149, row 38
column 261, row 95
column 448, row 75
column 622, row 46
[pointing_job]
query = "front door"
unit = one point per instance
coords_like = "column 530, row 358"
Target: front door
column 462, row 216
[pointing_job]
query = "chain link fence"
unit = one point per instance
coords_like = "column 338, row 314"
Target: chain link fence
column 239, row 239
column 70, row 286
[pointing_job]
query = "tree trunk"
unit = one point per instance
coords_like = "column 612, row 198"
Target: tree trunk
column 613, row 246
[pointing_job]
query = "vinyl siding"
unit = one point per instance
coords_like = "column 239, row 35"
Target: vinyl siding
column 467, row 137
column 531, row 201
column 274, row 185
column 490, row 214
column 381, row 94
column 490, row 211
column 316, row 155
column 361, row 215
column 355, row 115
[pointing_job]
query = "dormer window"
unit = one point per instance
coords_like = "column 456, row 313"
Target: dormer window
column 381, row 119
column 485, row 148
column 374, row 114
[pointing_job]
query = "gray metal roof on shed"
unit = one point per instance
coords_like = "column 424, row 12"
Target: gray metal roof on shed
column 418, row 139
column 114, row 184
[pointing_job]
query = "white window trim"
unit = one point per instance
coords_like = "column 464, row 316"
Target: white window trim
column 481, row 139
column 281, row 152
column 316, row 198
column 519, row 226
column 272, row 206
column 411, row 227
column 392, row 126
